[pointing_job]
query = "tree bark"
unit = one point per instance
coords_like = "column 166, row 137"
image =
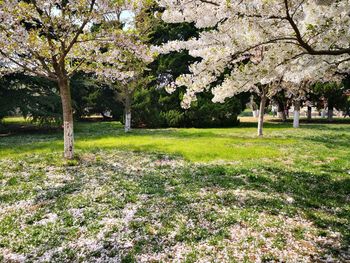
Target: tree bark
column 281, row 113
column 127, row 125
column 296, row 114
column 127, row 121
column 68, row 128
column 330, row 113
column 253, row 105
column 254, row 114
column 262, row 113
column 309, row 113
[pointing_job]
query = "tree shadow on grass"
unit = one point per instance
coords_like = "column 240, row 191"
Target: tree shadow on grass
column 328, row 127
column 267, row 125
column 52, row 194
column 7, row 130
column 18, row 149
column 331, row 141
column 194, row 192
column 315, row 121
column 318, row 197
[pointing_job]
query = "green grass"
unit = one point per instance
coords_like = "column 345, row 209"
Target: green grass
column 181, row 195
column 192, row 144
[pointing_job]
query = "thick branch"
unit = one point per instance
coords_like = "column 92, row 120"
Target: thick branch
column 305, row 45
column 78, row 33
column 209, row 2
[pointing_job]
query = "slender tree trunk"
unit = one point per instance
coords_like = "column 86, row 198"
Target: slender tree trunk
column 286, row 113
column 127, row 121
column 281, row 113
column 262, row 113
column 309, row 113
column 127, row 125
column 296, row 114
column 68, row 130
column 255, row 111
column 330, row 113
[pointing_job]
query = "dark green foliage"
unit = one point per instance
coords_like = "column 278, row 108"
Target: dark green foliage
column 205, row 113
column 346, row 106
column 91, row 96
column 281, row 100
column 30, row 96
column 330, row 93
column 39, row 98
column 145, row 108
column 154, row 107
column 173, row 118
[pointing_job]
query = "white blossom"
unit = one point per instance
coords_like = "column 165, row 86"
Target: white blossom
column 293, row 40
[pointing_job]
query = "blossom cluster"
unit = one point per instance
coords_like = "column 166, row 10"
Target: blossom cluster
column 55, row 38
column 260, row 43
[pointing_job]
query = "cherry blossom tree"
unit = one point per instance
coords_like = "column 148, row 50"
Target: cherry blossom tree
column 127, row 88
column 259, row 43
column 54, row 39
column 297, row 92
column 127, row 73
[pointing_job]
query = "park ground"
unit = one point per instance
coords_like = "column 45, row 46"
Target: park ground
column 175, row 195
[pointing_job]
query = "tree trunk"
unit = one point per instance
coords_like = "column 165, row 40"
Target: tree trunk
column 253, row 105
column 330, row 113
column 68, row 130
column 282, row 115
column 127, row 125
column 280, row 112
column 256, row 114
column 286, row 113
column 261, row 113
column 309, row 113
column 296, row 114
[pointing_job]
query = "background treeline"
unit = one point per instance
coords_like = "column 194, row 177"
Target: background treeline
column 152, row 106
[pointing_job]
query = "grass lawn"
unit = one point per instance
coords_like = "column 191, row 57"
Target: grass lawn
column 176, row 195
